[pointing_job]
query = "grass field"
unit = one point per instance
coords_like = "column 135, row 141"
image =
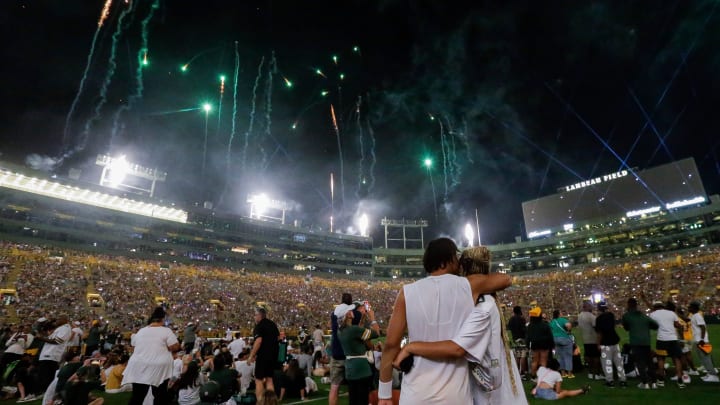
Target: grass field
column 697, row 392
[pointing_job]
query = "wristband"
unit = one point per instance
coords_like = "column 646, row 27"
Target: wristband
column 385, row 390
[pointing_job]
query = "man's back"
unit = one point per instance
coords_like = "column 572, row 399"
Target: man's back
column 666, row 324
column 435, row 308
column 586, row 324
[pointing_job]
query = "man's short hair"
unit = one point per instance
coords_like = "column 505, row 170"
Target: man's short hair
column 262, row 311
column 517, row 310
column 347, row 299
column 439, row 252
column 632, row 302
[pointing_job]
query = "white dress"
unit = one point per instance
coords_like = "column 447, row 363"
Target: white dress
column 481, row 334
column 436, row 308
column 151, row 362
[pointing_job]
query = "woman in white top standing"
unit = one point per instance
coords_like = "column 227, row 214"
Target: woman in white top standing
column 151, row 364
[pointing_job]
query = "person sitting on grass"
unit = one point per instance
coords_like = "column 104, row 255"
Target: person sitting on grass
column 549, row 381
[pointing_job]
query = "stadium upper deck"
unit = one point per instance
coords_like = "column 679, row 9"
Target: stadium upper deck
column 32, row 208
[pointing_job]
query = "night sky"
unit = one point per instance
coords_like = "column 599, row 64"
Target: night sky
column 510, row 100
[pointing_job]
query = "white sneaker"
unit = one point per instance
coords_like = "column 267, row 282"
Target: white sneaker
column 710, row 378
column 653, row 386
column 693, row 372
column 591, row 376
column 644, row 386
column 673, row 378
column 599, row 377
column 686, row 379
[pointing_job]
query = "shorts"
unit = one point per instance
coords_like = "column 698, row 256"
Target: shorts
column 337, row 371
column 520, row 348
column 591, row 350
column 546, row 393
column 664, row 348
column 264, row 369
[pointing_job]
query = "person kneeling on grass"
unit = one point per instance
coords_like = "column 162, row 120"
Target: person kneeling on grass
column 549, row 381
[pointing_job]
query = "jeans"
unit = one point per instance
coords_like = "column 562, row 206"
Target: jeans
column 564, row 353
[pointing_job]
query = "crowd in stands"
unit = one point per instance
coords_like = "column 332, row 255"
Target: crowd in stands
column 221, row 299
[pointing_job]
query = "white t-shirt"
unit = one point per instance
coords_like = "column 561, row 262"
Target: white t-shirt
column 696, row 320
column 236, row 347
column 586, row 324
column 77, row 334
column 436, row 307
column 666, row 324
column 548, row 376
column 54, row 352
column 246, row 373
column 17, row 345
column 190, row 395
column 151, row 362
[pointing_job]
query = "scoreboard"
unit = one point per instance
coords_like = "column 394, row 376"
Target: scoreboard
column 626, row 193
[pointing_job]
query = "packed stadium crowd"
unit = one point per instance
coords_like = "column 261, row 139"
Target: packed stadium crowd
column 110, row 297
column 222, row 299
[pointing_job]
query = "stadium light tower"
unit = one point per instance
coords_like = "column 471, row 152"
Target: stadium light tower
column 117, row 170
column 428, row 162
column 206, row 107
column 469, row 234
column 363, row 224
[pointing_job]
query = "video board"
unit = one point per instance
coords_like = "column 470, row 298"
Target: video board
column 625, row 193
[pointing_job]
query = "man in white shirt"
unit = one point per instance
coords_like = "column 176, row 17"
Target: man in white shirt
column 247, row 371
column 52, row 352
column 236, row 346
column 586, row 324
column 667, row 339
column 16, row 346
column 318, row 338
column 700, row 337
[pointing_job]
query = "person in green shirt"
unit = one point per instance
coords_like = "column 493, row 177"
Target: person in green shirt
column 638, row 326
column 564, row 341
column 353, row 339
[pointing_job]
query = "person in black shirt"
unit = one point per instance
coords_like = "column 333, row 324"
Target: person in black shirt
column 264, row 353
column 518, row 327
column 611, row 357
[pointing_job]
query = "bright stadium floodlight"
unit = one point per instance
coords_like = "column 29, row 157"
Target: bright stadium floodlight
column 117, row 170
column 363, row 224
column 428, row 163
column 469, row 234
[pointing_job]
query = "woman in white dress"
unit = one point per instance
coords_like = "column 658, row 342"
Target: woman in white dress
column 151, row 363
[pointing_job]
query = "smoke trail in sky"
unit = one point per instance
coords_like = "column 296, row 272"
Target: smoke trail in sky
column 252, row 113
column 371, row 169
column 109, row 73
column 141, row 60
column 466, row 142
column 443, row 144
column 340, row 155
column 272, row 69
column 361, row 146
column 455, row 168
column 74, row 104
column 234, row 113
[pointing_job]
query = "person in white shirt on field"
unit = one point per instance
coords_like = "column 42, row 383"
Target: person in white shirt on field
column 700, row 338
column 236, row 346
